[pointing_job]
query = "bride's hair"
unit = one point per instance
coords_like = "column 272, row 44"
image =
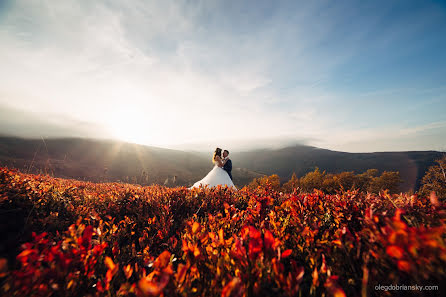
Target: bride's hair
column 216, row 153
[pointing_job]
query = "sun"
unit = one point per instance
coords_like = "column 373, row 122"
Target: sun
column 129, row 125
column 136, row 124
column 128, row 131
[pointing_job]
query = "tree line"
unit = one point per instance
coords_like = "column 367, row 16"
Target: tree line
column 370, row 181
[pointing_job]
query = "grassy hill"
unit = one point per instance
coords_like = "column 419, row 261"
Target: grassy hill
column 107, row 160
column 302, row 159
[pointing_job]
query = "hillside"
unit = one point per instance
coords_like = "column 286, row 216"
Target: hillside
column 107, row 160
column 302, row 159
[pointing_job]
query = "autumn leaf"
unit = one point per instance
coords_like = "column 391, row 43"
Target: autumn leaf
column 128, row 271
column 233, row 289
column 433, row 199
column 109, row 263
column 268, row 240
column 315, row 276
column 332, row 286
column 286, row 253
column 196, row 227
column 181, row 273
column 163, row 260
column 395, row 251
column 403, row 265
column 3, row 267
column 85, row 240
column 221, row 236
column 112, row 269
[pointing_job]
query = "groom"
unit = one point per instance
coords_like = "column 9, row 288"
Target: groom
column 228, row 165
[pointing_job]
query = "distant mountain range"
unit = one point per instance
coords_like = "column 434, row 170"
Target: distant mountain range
column 108, row 160
column 302, row 159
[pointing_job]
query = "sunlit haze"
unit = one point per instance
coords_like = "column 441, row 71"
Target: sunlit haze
column 343, row 75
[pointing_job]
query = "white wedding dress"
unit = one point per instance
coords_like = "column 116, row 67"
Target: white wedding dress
column 217, row 176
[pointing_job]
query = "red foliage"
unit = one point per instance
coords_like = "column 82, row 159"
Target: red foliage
column 123, row 240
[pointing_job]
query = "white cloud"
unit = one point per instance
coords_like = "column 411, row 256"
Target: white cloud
column 165, row 72
column 82, row 61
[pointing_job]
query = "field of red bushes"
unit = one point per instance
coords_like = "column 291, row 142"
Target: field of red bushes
column 69, row 238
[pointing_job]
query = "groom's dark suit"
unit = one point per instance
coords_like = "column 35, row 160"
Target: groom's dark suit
column 228, row 167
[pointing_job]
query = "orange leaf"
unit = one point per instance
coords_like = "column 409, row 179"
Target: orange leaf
column 149, row 288
column 315, row 277
column 112, row 269
column 221, row 237
column 434, row 200
column 196, row 227
column 109, row 263
column 196, row 251
column 26, row 253
column 337, row 242
column 338, row 292
column 395, row 251
column 181, row 273
column 233, row 288
column 163, row 260
column 128, row 271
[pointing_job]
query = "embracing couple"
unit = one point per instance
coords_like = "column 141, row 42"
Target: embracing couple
column 221, row 173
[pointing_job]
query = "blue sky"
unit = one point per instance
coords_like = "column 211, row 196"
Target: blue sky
column 343, row 75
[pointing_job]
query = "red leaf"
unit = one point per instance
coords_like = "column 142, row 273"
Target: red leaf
column 254, row 233
column 3, row 267
column 286, row 253
column 86, row 237
column 100, row 287
column 255, row 247
column 268, row 240
column 403, row 265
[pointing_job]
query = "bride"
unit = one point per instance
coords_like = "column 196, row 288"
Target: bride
column 217, row 176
